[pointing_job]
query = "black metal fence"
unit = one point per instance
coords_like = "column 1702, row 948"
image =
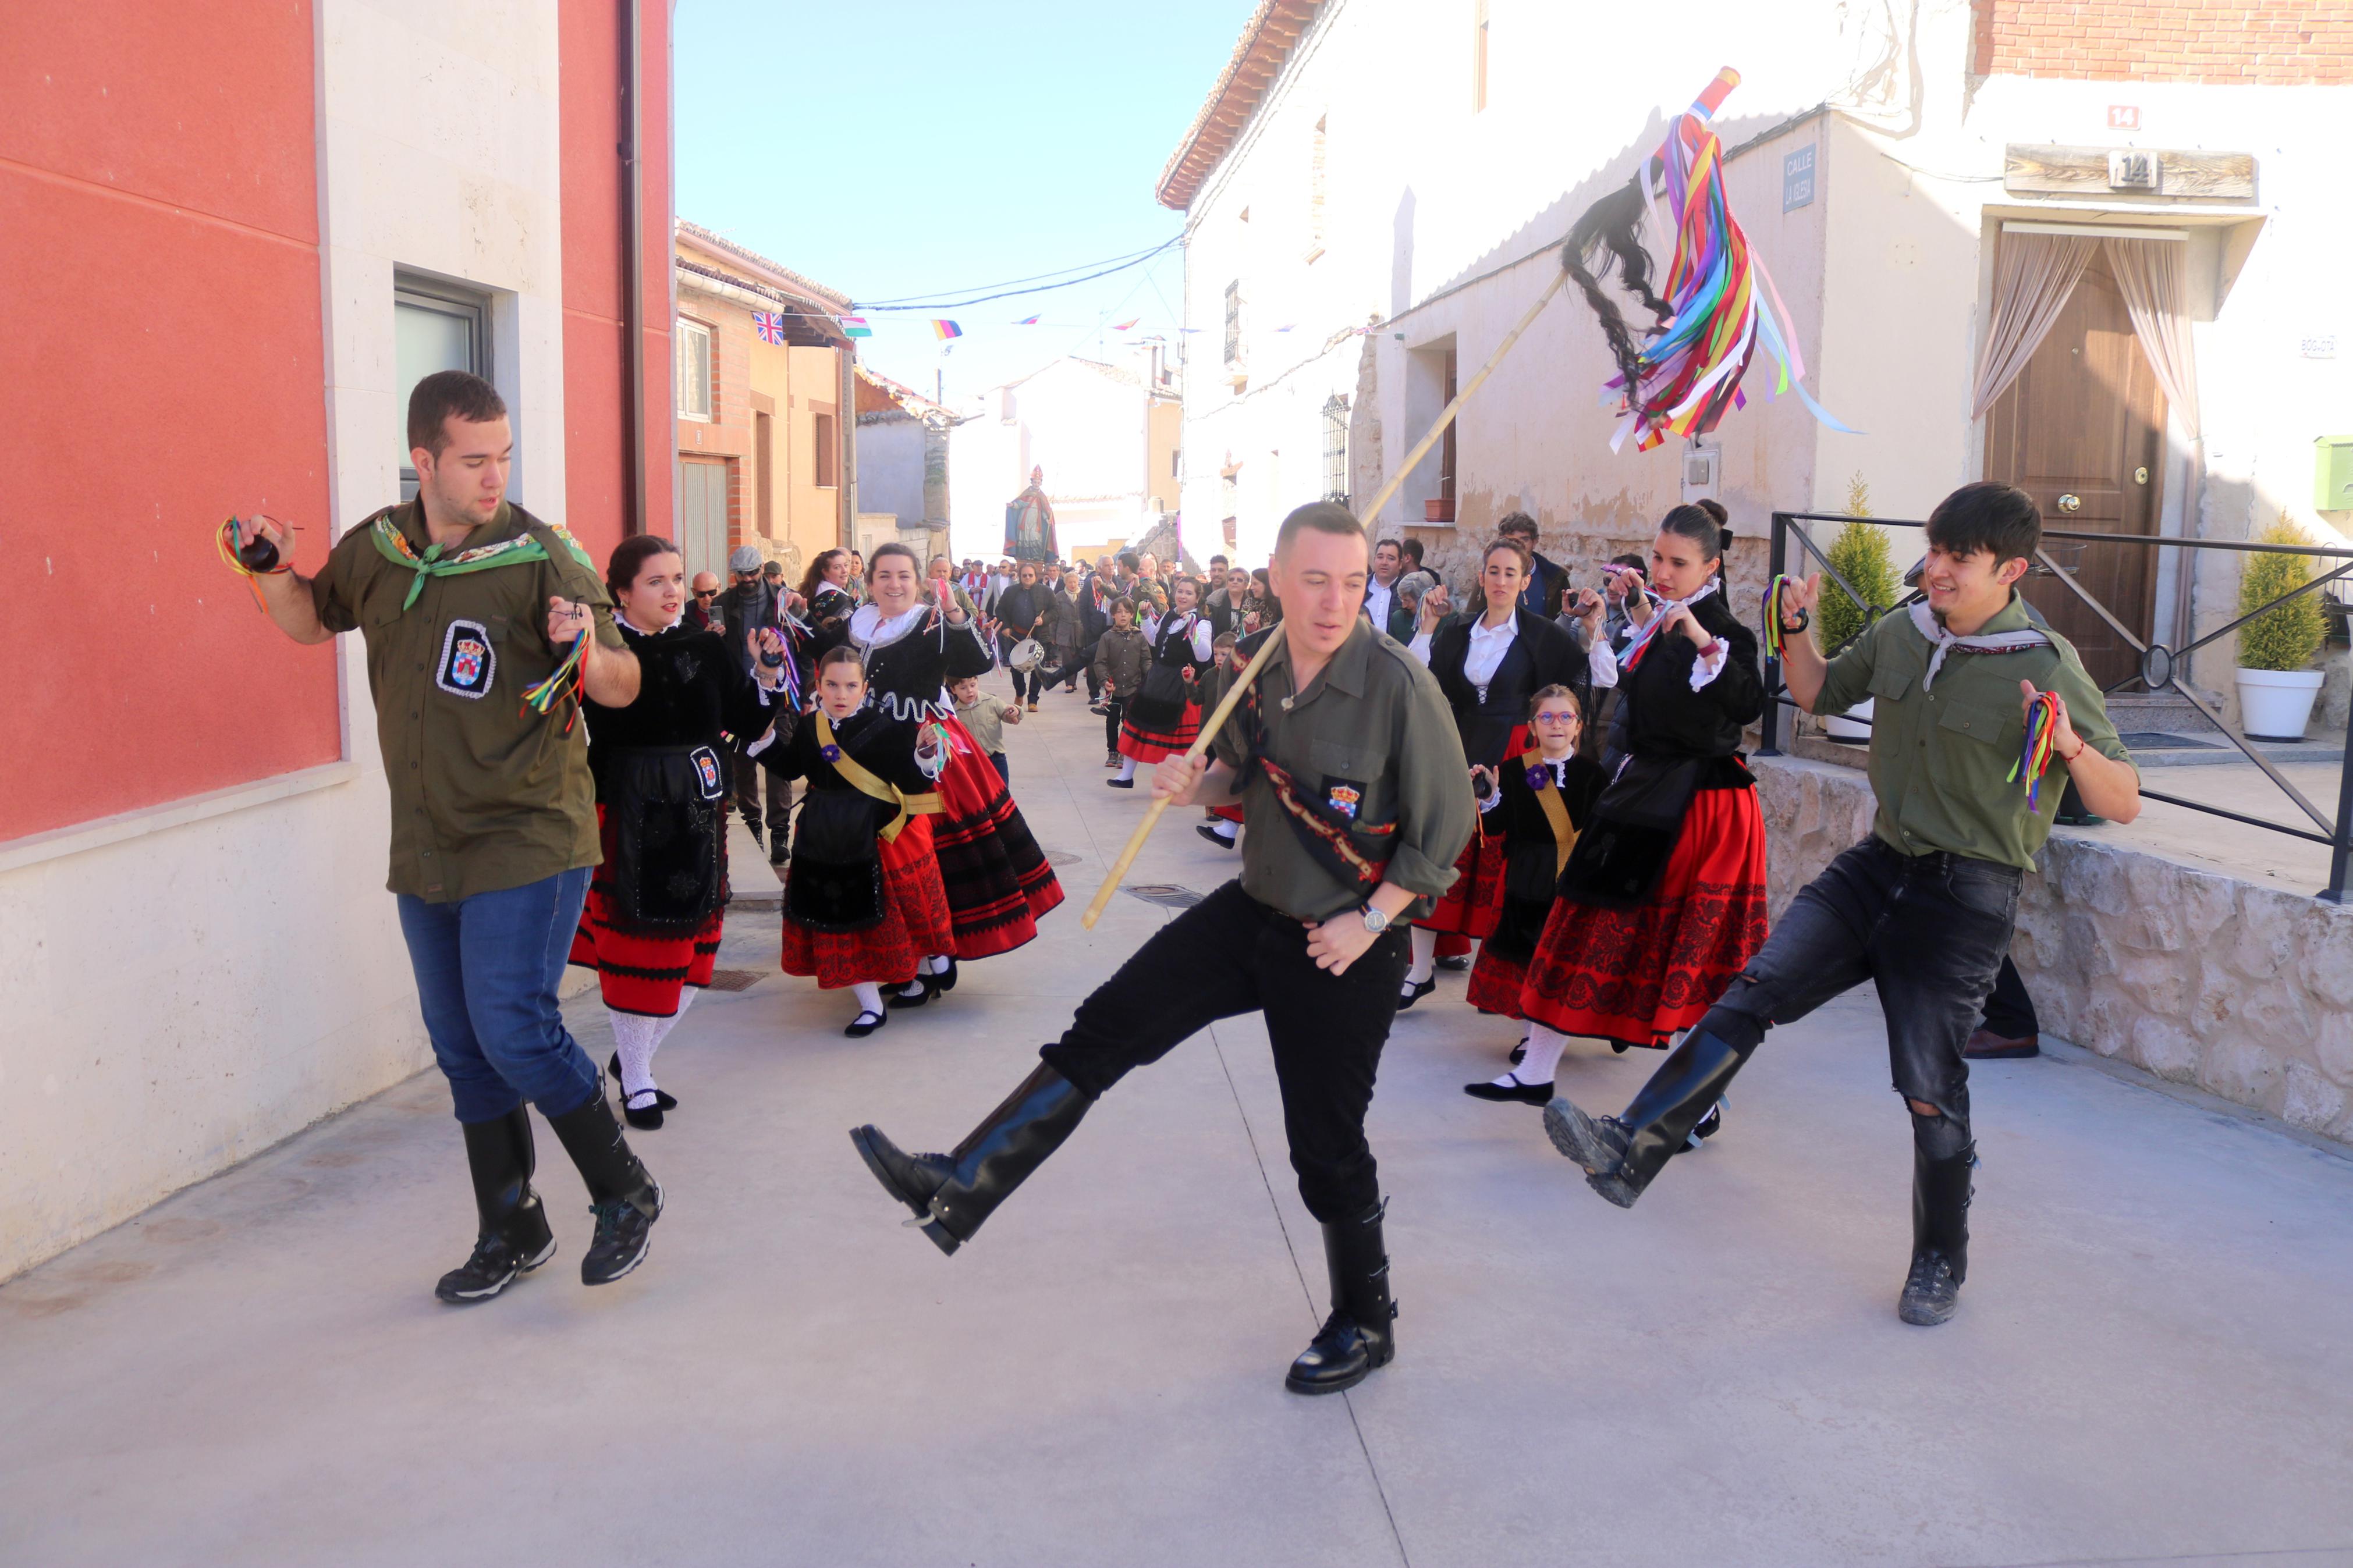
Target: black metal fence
column 2158, row 663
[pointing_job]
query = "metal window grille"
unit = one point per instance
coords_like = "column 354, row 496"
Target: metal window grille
column 694, row 367
column 1234, row 322
column 1335, row 449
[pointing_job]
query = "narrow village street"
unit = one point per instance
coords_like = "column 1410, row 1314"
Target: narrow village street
column 2149, row 1360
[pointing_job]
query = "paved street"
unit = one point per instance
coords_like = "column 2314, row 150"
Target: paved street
column 2151, row 1360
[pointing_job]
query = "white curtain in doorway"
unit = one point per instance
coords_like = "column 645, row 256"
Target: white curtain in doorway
column 2149, row 274
column 2033, row 277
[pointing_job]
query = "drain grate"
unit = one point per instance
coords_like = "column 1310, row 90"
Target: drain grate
column 1167, row 895
column 736, row 979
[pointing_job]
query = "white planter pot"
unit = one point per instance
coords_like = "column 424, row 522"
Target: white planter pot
column 2276, row 704
column 1845, row 726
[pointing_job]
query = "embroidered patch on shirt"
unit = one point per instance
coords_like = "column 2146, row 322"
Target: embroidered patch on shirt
column 468, row 662
column 1344, row 795
column 707, row 771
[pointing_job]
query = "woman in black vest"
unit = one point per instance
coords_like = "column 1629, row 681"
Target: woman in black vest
column 651, row 926
column 1491, row 666
column 1663, row 902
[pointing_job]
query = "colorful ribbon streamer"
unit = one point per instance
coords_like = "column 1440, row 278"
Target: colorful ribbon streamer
column 2041, row 741
column 543, row 696
column 1776, row 595
column 1723, row 302
column 232, row 554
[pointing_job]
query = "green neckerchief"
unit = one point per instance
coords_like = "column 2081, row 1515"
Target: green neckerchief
column 524, row 547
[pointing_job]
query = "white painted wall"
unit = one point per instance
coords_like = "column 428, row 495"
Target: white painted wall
column 890, row 468
column 192, row 984
column 1085, row 424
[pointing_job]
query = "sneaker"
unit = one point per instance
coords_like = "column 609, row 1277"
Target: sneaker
column 496, row 1264
column 1931, row 1294
column 624, row 1234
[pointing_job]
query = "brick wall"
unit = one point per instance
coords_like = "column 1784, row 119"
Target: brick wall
column 2271, row 42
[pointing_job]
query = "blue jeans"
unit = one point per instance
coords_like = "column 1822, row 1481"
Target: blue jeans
column 487, row 968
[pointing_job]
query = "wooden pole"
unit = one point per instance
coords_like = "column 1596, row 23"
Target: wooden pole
column 1217, row 720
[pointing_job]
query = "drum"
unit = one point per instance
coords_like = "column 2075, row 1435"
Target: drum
column 1025, row 654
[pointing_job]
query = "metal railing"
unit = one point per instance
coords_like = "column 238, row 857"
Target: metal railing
column 2158, row 663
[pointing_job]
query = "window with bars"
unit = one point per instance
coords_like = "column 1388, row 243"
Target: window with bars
column 1234, row 322
column 1335, row 448
column 695, row 380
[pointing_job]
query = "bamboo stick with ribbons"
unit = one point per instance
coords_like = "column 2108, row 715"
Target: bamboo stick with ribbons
column 1217, row 717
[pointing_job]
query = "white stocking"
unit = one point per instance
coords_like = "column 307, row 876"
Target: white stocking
column 1127, row 767
column 1543, row 1055
column 1228, row 831
column 869, row 994
column 634, row 1036
column 1424, row 957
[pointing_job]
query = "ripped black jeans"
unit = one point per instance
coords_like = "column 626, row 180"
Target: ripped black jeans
column 1928, row 931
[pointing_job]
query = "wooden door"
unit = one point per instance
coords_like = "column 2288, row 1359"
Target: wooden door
column 703, row 514
column 2082, row 430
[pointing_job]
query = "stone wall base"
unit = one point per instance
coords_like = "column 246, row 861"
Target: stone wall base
column 2243, row 991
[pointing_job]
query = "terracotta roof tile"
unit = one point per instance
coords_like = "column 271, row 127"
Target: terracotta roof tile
column 1259, row 56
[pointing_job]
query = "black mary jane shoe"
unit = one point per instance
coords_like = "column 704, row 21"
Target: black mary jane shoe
column 865, row 1022
column 1519, row 1052
column 1119, row 783
column 648, row 1118
column 1455, row 964
column 1513, row 1093
column 661, row 1102
column 944, row 979
column 1415, row 990
column 1214, row 836
column 896, row 999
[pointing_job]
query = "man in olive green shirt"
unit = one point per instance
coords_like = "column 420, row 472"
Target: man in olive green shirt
column 1923, row 908
column 1346, row 758
column 466, row 602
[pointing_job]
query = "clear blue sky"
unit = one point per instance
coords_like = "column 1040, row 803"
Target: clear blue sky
column 895, row 148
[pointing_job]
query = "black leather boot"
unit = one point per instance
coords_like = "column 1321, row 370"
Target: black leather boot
column 952, row 1194
column 625, row 1199
column 1359, row 1337
column 1622, row 1153
column 1940, row 1237
column 513, row 1238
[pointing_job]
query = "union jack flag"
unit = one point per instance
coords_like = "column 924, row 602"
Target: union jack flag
column 770, row 325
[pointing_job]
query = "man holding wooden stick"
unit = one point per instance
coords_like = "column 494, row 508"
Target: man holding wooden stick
column 1346, row 757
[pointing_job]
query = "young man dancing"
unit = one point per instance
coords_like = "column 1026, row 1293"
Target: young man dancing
column 1347, row 740
column 1924, row 907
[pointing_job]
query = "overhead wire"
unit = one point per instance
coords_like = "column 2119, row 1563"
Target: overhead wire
column 1038, row 289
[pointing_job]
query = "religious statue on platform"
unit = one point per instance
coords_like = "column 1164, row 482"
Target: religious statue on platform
column 1029, row 523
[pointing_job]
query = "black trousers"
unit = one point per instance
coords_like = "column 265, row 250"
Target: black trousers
column 1112, row 720
column 1927, row 931
column 1230, row 954
column 2009, row 1011
column 748, row 777
column 1082, row 662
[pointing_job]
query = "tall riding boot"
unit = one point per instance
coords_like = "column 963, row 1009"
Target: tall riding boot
column 1940, row 1236
column 625, row 1199
column 1358, row 1338
column 952, row 1194
column 513, row 1238
column 1621, row 1154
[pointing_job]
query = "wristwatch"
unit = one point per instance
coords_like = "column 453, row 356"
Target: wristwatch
column 1375, row 922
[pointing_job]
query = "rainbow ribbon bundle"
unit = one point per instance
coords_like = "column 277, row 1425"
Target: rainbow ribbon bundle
column 248, row 559
column 1724, row 302
column 2041, row 741
column 1776, row 595
column 542, row 696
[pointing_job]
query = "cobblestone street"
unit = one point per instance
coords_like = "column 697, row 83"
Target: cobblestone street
column 2150, row 1361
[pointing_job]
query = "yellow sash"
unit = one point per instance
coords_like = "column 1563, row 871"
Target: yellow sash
column 1564, row 833
column 864, row 781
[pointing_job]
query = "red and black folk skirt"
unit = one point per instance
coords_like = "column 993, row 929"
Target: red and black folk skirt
column 1471, row 907
column 998, row 883
column 636, row 973
column 914, row 924
column 1647, row 974
column 1150, row 743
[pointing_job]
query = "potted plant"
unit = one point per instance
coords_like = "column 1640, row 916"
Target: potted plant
column 1859, row 554
column 2276, row 682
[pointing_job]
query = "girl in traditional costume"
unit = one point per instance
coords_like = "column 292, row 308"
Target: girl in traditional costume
column 826, row 588
column 1664, row 900
column 998, row 883
column 863, row 904
column 1489, row 665
column 1164, row 715
column 651, row 926
column 1532, row 805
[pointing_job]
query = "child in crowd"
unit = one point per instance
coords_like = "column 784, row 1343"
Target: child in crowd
column 1120, row 659
column 985, row 717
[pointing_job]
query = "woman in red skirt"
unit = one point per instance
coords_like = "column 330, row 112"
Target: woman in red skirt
column 863, row 903
column 1164, row 715
column 650, row 927
column 1532, row 805
column 1489, row 665
column 1664, row 900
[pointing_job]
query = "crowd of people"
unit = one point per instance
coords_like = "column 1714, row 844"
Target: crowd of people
column 1550, row 774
